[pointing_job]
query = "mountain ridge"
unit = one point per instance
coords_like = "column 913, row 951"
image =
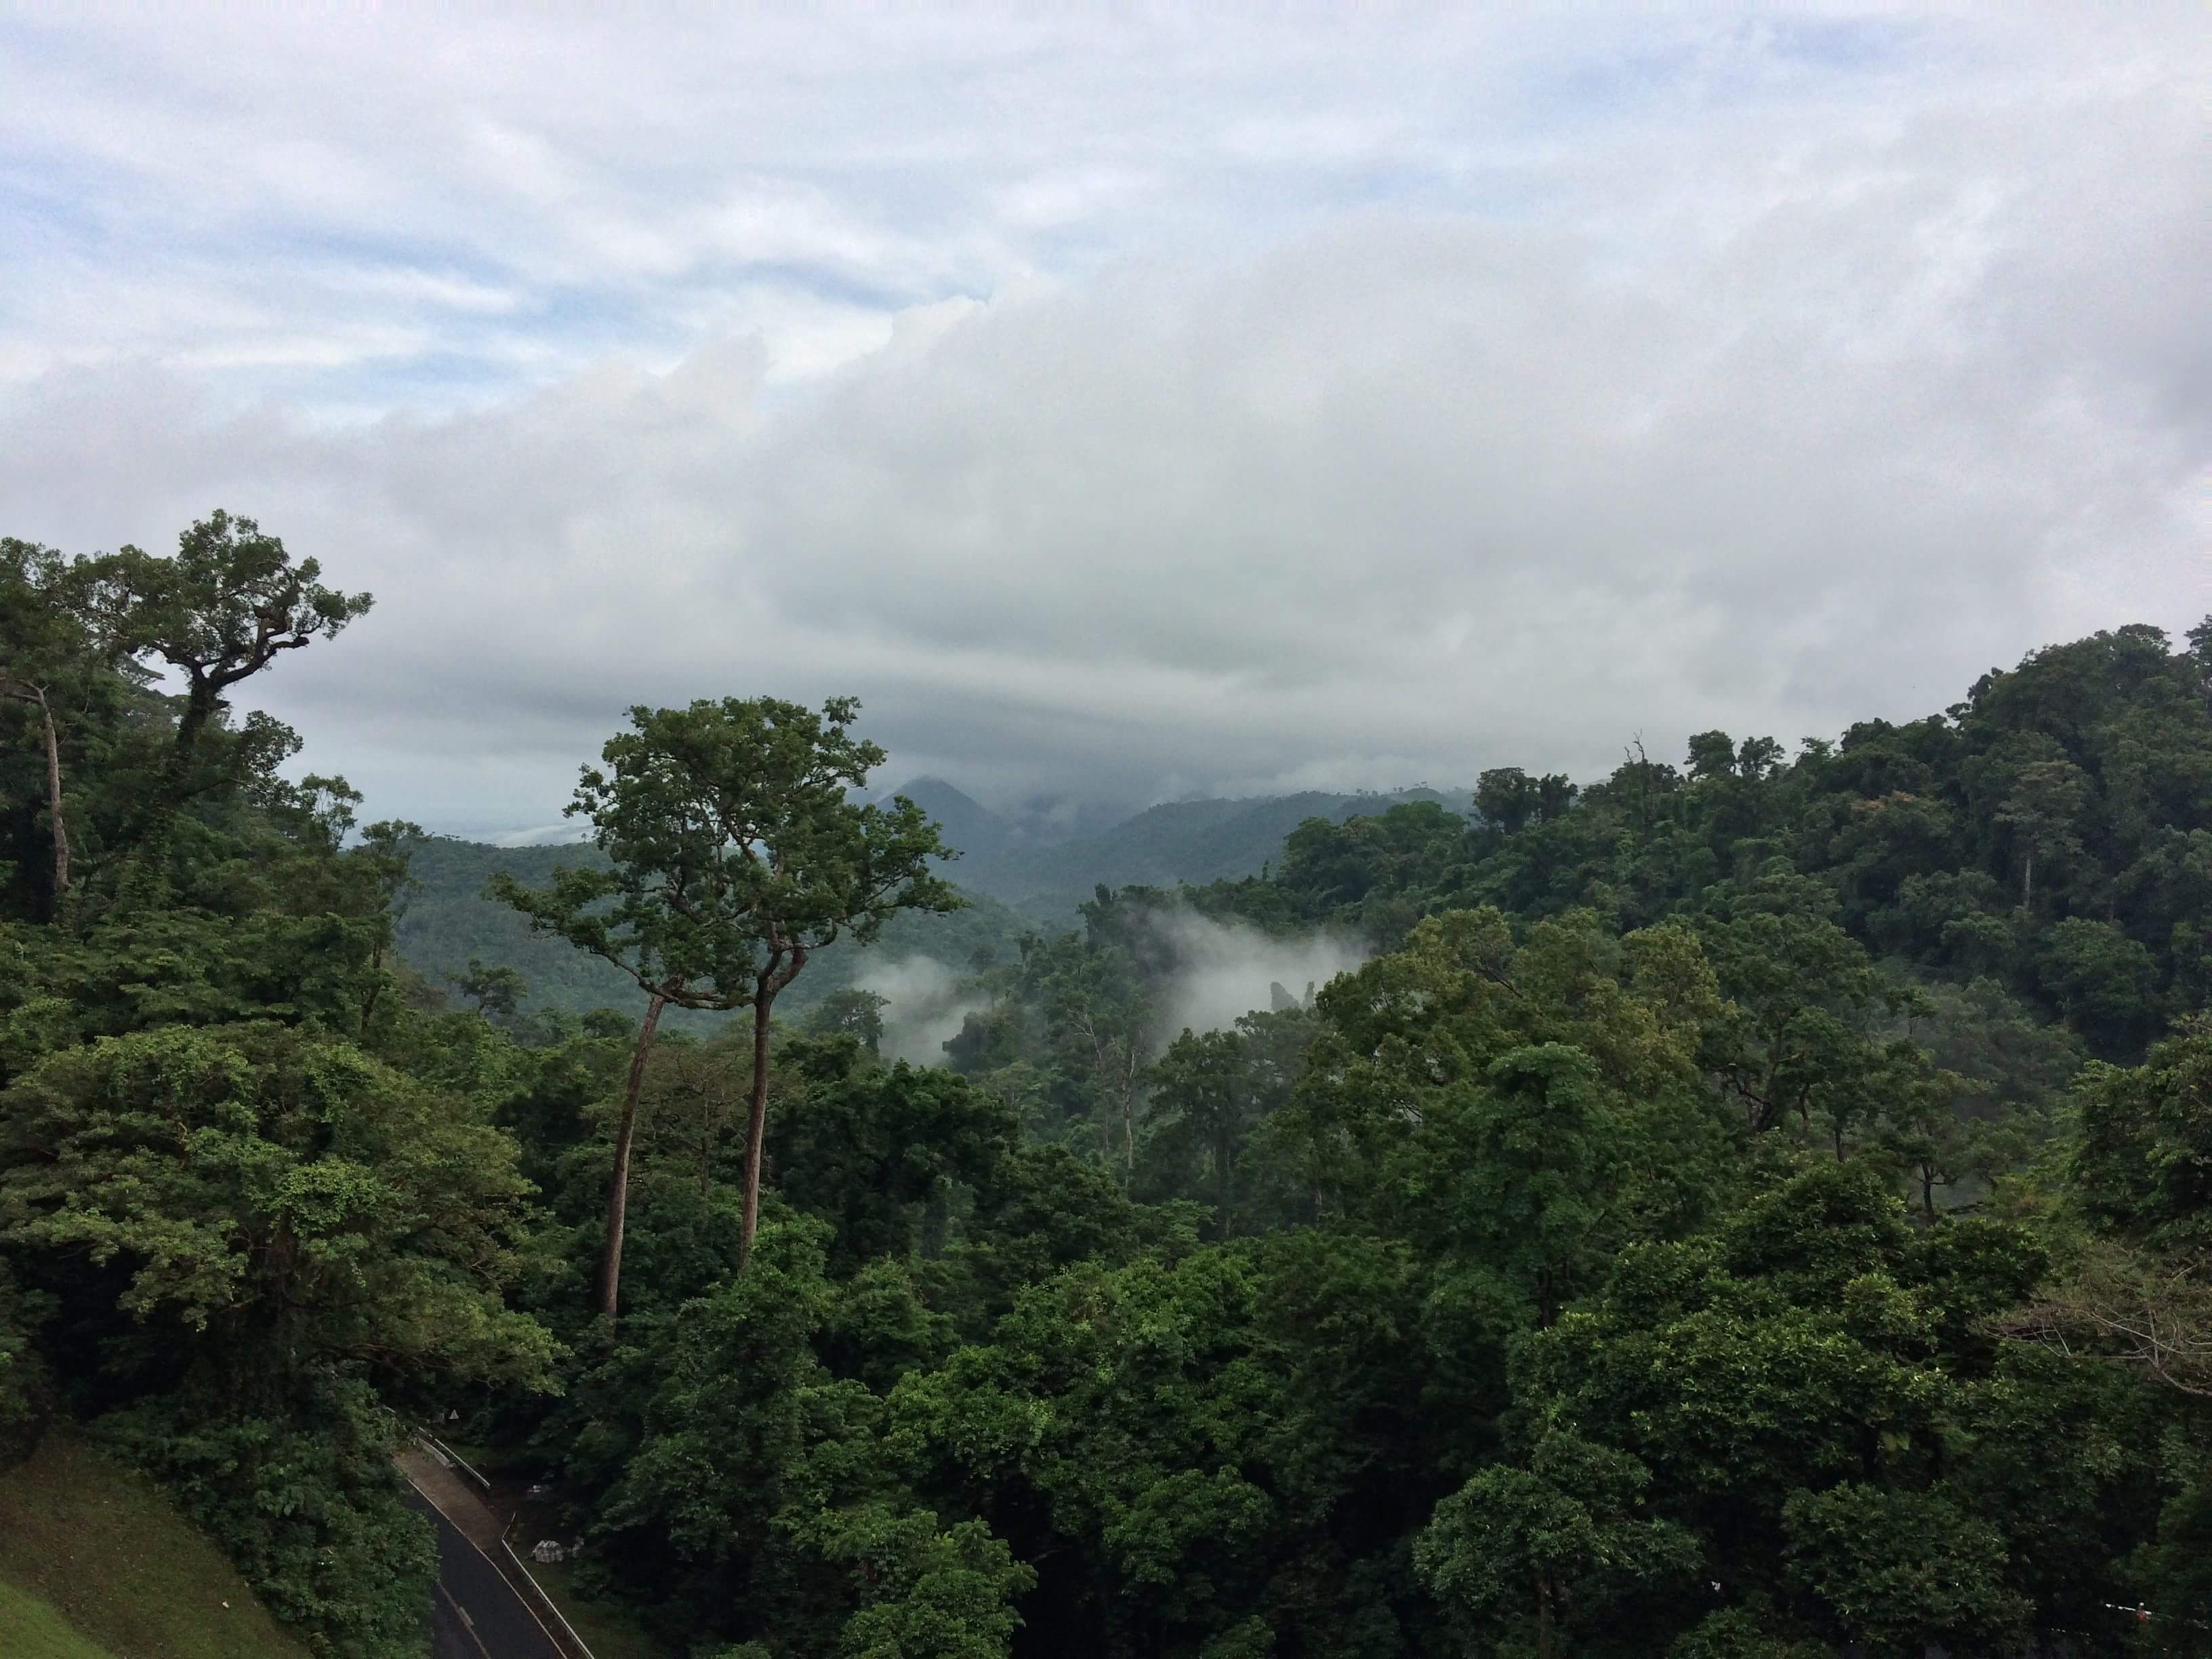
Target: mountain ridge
column 1206, row 838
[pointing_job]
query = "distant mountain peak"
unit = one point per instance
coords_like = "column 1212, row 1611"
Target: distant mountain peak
column 968, row 826
column 928, row 787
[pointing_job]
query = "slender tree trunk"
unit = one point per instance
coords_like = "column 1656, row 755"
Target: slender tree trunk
column 1129, row 1118
column 37, row 694
column 618, row 1189
column 1546, row 1645
column 376, row 988
column 710, row 1124
column 2027, row 885
column 1124, row 1057
column 755, row 1129
column 54, row 798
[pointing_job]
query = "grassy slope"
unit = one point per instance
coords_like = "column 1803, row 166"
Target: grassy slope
column 91, row 1548
column 30, row 1628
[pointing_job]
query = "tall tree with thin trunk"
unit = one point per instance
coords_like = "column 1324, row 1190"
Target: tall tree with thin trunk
column 21, row 691
column 736, row 853
column 47, row 654
column 2042, row 807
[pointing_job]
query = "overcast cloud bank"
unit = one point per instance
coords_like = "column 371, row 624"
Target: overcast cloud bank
column 1167, row 426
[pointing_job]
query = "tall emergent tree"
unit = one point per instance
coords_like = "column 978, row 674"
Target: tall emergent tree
column 57, row 824
column 44, row 648
column 218, row 612
column 736, row 856
column 83, row 646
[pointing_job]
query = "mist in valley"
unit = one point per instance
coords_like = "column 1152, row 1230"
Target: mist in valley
column 925, row 1003
column 1227, row 969
column 1220, row 972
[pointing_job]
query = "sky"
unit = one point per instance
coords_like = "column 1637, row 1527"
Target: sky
column 1123, row 404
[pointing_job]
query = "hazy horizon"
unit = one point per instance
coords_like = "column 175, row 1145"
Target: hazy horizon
column 1053, row 818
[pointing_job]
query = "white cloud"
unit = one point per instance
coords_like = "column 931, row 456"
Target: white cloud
column 924, row 1007
column 1123, row 408
column 1225, row 970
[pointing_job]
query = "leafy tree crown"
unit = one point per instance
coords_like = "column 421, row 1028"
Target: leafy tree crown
column 737, row 849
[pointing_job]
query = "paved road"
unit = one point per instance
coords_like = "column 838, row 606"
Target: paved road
column 450, row 1635
column 476, row 1615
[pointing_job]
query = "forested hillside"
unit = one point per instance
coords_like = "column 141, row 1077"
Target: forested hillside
column 1014, row 885
column 1756, row 1207
column 446, row 922
column 1184, row 841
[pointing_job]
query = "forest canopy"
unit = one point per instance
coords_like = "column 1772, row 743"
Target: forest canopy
column 1750, row 1206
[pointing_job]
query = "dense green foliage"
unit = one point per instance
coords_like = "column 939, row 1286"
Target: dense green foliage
column 2048, row 833
column 1744, row 1209
column 733, row 852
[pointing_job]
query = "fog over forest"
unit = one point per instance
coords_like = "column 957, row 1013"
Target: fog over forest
column 1222, row 971
column 925, row 1005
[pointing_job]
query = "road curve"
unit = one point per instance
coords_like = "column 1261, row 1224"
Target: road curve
column 475, row 1613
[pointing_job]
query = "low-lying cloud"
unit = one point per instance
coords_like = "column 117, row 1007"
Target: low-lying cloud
column 1227, row 969
column 926, row 1004
column 1221, row 971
